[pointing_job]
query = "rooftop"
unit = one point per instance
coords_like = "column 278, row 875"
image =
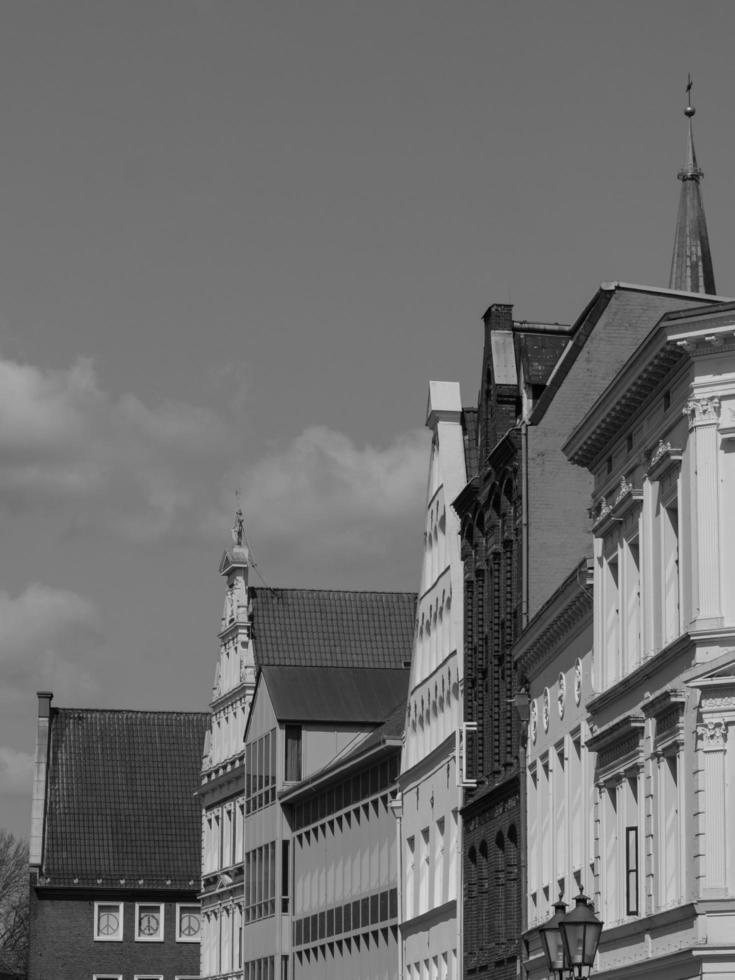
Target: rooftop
column 120, row 804
column 329, row 628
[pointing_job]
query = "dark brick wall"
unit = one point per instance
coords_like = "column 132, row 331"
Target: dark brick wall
column 492, row 905
column 63, row 947
column 490, row 511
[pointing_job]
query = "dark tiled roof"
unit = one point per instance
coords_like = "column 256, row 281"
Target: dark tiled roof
column 323, row 628
column 358, row 695
column 120, row 798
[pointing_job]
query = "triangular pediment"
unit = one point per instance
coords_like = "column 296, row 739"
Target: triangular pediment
column 718, row 673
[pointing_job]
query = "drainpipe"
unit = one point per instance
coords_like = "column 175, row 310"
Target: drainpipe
column 396, row 808
column 524, row 525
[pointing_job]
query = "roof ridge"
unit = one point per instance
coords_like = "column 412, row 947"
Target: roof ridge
column 132, row 711
column 267, row 588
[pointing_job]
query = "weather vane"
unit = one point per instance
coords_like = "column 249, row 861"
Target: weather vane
column 690, row 110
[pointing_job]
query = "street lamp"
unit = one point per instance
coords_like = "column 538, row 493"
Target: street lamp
column 570, row 940
column 551, row 938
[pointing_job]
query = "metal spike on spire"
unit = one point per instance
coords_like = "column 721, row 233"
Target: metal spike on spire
column 691, row 263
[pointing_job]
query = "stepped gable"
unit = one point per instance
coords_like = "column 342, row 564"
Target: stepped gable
column 120, row 798
column 329, row 628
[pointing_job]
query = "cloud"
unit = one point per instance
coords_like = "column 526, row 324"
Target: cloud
column 16, row 772
column 115, row 463
column 322, row 507
column 39, row 630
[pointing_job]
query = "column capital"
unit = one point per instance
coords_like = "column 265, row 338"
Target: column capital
column 702, row 411
column 712, row 734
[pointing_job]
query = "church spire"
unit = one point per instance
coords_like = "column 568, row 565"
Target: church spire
column 691, row 263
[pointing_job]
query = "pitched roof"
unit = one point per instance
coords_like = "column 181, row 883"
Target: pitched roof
column 326, row 628
column 386, row 738
column 120, row 798
column 356, row 695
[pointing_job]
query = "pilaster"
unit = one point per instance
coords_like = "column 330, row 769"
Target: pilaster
column 703, row 413
column 712, row 736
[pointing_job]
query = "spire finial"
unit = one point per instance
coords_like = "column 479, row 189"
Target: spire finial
column 690, row 110
column 238, row 528
column 691, row 263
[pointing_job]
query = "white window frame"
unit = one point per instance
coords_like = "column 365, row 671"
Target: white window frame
column 158, row 938
column 107, row 976
column 188, row 939
column 117, row 938
column 148, row 976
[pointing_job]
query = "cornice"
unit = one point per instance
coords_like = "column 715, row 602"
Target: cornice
column 616, row 732
column 664, row 458
column 668, row 698
column 556, row 621
column 644, row 670
column 465, row 499
column 610, row 513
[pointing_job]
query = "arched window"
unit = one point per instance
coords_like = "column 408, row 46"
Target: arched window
column 511, row 882
column 500, row 889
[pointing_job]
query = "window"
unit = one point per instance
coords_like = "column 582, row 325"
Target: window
column 631, row 871
column 285, row 874
column 410, row 876
column 188, row 923
column 424, row 871
column 148, row 976
column 108, row 921
column 107, row 976
column 260, row 772
column 439, row 862
column 293, row 753
column 148, row 923
column 260, row 882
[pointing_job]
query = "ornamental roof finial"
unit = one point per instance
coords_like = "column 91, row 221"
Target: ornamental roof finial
column 691, row 263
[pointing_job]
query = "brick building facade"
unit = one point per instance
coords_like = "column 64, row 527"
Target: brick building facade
column 517, row 360
column 114, row 849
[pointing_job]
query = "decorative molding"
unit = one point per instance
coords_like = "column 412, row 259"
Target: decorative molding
column 664, row 459
column 533, row 722
column 702, row 411
column 712, row 734
column 546, row 709
column 578, row 682
column 619, row 747
column 626, row 498
column 561, row 694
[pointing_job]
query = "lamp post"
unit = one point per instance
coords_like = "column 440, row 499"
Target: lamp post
column 570, row 939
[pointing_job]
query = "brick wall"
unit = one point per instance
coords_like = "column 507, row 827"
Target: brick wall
column 63, row 945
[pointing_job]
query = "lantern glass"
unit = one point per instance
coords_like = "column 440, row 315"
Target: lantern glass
column 580, row 932
column 552, row 939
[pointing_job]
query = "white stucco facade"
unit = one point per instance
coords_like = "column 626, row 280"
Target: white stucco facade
column 660, row 444
column 430, row 795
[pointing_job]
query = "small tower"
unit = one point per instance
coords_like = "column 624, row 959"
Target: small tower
column 691, row 263
column 234, row 680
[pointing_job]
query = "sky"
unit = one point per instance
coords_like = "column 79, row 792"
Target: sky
column 237, row 240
